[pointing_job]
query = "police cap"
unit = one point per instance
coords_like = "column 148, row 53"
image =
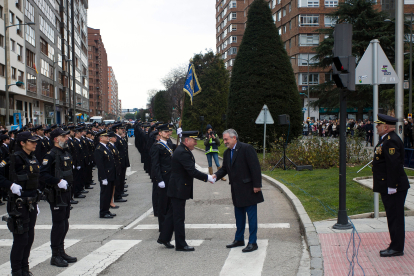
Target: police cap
column 4, row 137
column 386, row 120
column 26, row 136
column 163, row 127
column 102, row 133
column 190, row 133
column 111, row 134
column 58, row 132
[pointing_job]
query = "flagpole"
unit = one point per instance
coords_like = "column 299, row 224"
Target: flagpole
column 182, row 107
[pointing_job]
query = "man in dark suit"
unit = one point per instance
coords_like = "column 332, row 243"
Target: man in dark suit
column 122, row 147
column 180, row 188
column 391, row 181
column 105, row 163
column 240, row 162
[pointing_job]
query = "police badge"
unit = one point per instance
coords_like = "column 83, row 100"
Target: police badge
column 391, row 151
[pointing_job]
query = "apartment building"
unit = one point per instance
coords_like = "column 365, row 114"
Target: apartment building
column 296, row 22
column 113, row 100
column 98, row 75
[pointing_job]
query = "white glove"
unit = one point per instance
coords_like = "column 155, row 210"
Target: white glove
column 392, row 191
column 104, row 182
column 38, row 210
column 63, row 184
column 161, row 185
column 179, row 130
column 78, row 168
column 211, row 179
column 73, row 167
column 15, row 188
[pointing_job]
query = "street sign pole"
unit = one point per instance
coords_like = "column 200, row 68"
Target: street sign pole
column 375, row 43
column 264, row 138
column 264, row 118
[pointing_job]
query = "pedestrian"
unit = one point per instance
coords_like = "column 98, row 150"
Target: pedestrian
column 369, row 132
column 305, row 128
column 212, row 142
column 243, row 167
column 56, row 173
column 391, row 182
column 180, row 188
column 407, row 134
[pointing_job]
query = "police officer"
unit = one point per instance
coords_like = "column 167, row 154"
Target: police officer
column 22, row 203
column 56, row 173
column 122, row 147
column 88, row 159
column 180, row 188
column 391, row 181
column 91, row 149
column 118, row 166
column 4, row 155
column 49, row 143
column 41, row 148
column 104, row 160
column 79, row 165
column 161, row 155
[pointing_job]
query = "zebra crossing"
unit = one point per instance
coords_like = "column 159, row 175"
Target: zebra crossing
column 236, row 263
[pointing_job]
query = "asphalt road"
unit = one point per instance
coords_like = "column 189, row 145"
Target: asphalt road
column 126, row 245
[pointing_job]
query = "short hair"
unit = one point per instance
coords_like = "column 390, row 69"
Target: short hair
column 232, row 133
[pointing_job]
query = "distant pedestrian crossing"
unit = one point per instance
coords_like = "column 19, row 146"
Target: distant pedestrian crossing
column 236, row 263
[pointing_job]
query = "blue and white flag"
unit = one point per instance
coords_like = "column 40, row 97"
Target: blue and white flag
column 192, row 86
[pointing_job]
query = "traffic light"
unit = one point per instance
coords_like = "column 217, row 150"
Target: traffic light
column 343, row 61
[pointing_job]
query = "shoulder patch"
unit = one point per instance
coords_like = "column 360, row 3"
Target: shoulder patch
column 389, row 137
column 44, row 163
column 3, row 164
column 48, row 152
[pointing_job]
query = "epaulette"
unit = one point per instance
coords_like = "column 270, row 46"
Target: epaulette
column 3, row 164
column 389, row 137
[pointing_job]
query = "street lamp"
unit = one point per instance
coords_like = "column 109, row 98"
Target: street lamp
column 307, row 61
column 6, row 68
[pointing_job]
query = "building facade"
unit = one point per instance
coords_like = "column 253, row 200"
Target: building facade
column 113, row 100
column 98, row 75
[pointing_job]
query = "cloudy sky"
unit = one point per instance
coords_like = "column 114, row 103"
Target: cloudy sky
column 145, row 39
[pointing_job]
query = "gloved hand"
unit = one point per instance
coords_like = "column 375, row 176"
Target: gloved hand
column 63, row 184
column 179, row 131
column 78, row 168
column 392, row 191
column 105, row 182
column 211, row 179
column 161, row 185
column 16, row 189
column 38, row 210
column 73, row 167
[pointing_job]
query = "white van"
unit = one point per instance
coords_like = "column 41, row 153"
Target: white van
column 95, row 119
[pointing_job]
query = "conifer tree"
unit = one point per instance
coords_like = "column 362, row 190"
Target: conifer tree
column 161, row 107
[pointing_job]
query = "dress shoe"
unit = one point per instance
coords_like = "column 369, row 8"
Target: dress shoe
column 124, row 195
column 84, row 192
column 2, row 203
column 89, row 188
column 106, row 216
column 71, row 207
column 384, row 250
column 185, row 248
column 26, row 271
column 120, row 200
column 250, row 247
column 74, row 201
column 112, row 214
column 66, row 257
column 80, row 196
column 125, row 190
column 93, row 183
column 114, row 207
column 235, row 244
column 391, row 253
column 167, row 244
column 125, row 186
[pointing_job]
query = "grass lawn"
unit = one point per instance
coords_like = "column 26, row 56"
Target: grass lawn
column 318, row 190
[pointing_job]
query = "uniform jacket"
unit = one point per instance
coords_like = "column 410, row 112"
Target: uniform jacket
column 161, row 157
column 388, row 164
column 122, row 147
column 244, row 175
column 91, row 149
column 4, row 152
column 41, row 149
column 183, row 172
column 104, row 160
column 47, row 167
column 85, row 147
column 80, row 153
column 117, row 159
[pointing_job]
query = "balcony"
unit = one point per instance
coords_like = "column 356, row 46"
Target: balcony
column 32, row 88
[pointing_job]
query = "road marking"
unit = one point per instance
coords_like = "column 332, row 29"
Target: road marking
column 191, row 242
column 129, row 172
column 101, row 258
column 138, row 220
column 203, row 170
column 37, row 256
column 218, row 226
column 6, row 242
column 239, row 263
column 77, row 227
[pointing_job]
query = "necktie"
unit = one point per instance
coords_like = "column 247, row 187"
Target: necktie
column 231, row 156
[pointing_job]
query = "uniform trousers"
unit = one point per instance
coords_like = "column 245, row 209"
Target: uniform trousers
column 240, row 214
column 119, row 188
column 78, row 181
column 88, row 175
column 394, row 208
column 174, row 222
column 163, row 201
column 60, row 220
column 22, row 243
column 155, row 197
column 105, row 197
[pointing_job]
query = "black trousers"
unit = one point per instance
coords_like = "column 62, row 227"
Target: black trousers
column 174, row 222
column 78, row 181
column 163, row 201
column 119, row 188
column 88, row 175
column 60, row 221
column 394, row 208
column 22, row 243
column 155, row 197
column 105, row 199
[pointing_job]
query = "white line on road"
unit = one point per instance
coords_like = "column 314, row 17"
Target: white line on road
column 37, row 256
column 138, row 220
column 129, row 172
column 6, row 242
column 191, row 242
column 101, row 258
column 203, row 170
column 218, row 226
column 239, row 263
column 77, row 227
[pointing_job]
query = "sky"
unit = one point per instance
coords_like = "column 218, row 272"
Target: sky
column 145, row 39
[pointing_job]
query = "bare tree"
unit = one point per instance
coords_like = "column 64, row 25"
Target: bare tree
column 174, row 83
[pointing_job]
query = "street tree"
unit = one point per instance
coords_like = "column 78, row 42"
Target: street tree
column 162, row 109
column 262, row 74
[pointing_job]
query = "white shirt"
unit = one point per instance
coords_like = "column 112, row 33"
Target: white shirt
column 103, row 144
column 77, row 139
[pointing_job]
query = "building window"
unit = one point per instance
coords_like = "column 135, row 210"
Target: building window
column 30, row 59
column 19, row 53
column 19, row 4
column 13, row 73
column 47, row 29
column 233, row 15
column 233, row 4
column 18, row 27
column 11, row 18
column 284, row 12
column 308, row 3
column 46, row 69
column 234, row 39
column 233, row 51
column 290, row 7
column 331, row 4
column 308, row 39
column 313, row 78
column 303, row 59
column 20, row 77
column 309, row 20
column 51, row 53
column 13, row 45
column 43, row 46
column 31, row 36
column 328, row 77
column 2, row 70
column 330, row 21
column 1, row 41
column 29, row 11
column 1, row 12
column 45, row 88
column 31, row 83
column 279, row 15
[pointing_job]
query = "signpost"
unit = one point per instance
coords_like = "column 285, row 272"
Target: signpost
column 264, row 118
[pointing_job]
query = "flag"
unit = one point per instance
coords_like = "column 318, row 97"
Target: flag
column 192, row 86
column 34, row 66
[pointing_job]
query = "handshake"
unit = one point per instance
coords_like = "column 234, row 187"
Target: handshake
column 212, row 178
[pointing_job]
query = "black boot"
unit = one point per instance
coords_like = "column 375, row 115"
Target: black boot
column 65, row 256
column 26, row 271
column 56, row 259
column 17, row 273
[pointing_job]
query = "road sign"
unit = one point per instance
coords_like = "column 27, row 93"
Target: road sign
column 385, row 71
column 261, row 118
column 410, row 116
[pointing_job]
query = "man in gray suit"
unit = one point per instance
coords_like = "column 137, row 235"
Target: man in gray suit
column 240, row 162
